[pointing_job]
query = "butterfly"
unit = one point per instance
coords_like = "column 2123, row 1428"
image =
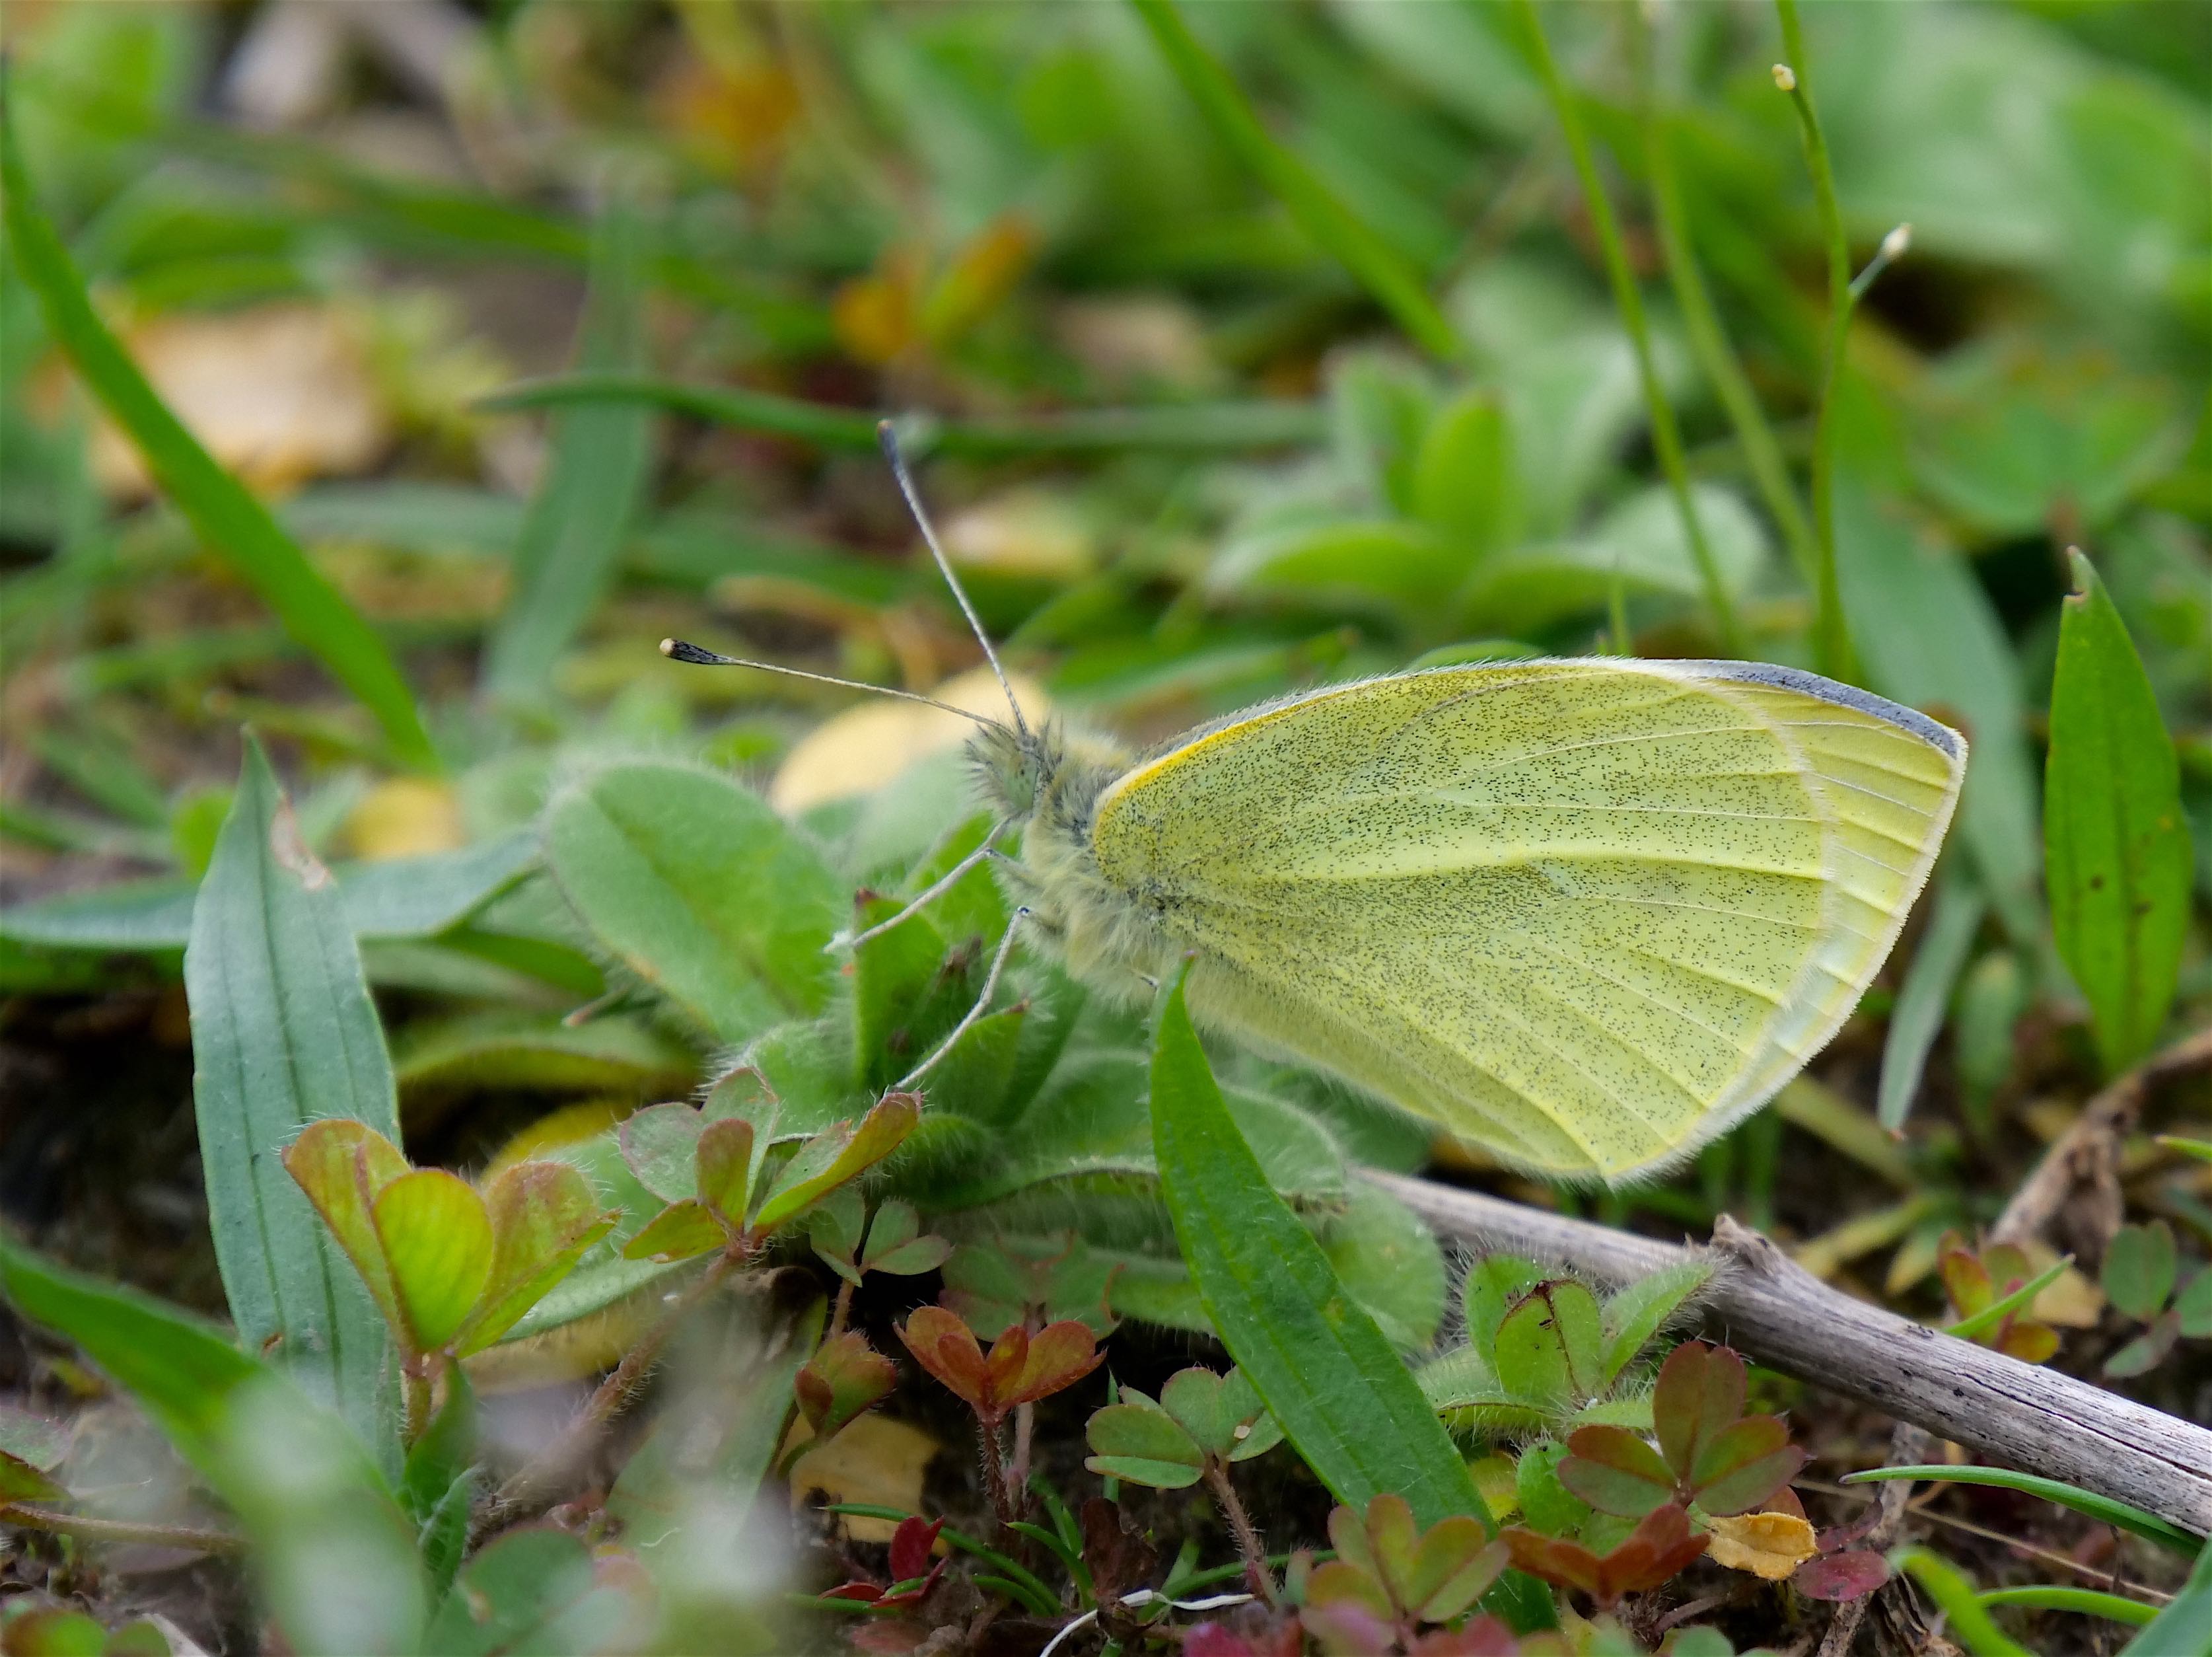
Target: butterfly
column 1582, row 914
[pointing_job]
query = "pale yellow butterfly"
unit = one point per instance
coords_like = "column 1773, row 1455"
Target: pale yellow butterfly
column 1582, row 914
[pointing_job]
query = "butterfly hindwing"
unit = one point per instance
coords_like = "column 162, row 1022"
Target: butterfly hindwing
column 1581, row 913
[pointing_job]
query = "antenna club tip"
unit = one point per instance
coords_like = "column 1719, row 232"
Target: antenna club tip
column 1785, row 77
column 1895, row 244
column 668, row 647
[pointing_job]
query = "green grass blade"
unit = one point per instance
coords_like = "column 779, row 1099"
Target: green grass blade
column 1346, row 1398
column 1997, row 1310
column 1339, row 231
column 283, row 1032
column 595, row 476
column 2116, row 844
column 1666, row 435
column 2130, row 1518
column 2087, row 1601
column 1968, row 1621
column 1832, row 651
column 1709, row 340
column 1925, row 996
column 235, row 525
column 1195, row 427
column 2185, row 1626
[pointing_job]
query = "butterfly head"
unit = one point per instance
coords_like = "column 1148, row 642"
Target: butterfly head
column 1014, row 768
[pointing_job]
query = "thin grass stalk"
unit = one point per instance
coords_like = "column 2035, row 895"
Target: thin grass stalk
column 1831, row 640
column 1324, row 216
column 1709, row 341
column 1666, row 435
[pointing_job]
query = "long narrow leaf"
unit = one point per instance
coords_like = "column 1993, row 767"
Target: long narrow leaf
column 2185, row 1623
column 235, row 525
column 571, row 541
column 1345, row 1398
column 2115, row 842
column 283, row 1032
column 2128, row 1518
column 1340, row 232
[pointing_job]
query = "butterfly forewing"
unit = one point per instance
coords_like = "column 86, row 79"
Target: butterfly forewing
column 1580, row 913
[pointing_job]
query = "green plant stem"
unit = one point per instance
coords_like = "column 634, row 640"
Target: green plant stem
column 1832, row 641
column 1666, row 435
column 2125, row 1515
column 2086, row 1601
column 1262, row 1580
column 1339, row 231
column 1969, row 1623
column 1709, row 340
column 414, row 1381
column 120, row 1530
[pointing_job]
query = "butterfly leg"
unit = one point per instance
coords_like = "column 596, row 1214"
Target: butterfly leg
column 937, row 888
column 982, row 1002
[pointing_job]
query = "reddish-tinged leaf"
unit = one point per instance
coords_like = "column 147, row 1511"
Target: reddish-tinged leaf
column 1486, row 1637
column 1221, row 1640
column 544, row 1216
column 438, row 1245
column 866, row 1593
column 679, row 1231
column 1965, row 1281
column 1454, row 1567
column 1563, row 1563
column 342, row 1165
column 946, row 1347
column 1744, row 1464
column 910, row 1547
column 2031, row 1342
column 660, row 1143
column 1699, row 1393
column 724, row 1161
column 1616, row 1472
column 836, row 1155
column 1059, row 1356
column 845, row 1376
column 1841, row 1575
column 1347, row 1613
column 1656, row 1551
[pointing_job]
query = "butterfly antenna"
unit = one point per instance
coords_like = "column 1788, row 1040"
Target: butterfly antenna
column 676, row 649
column 889, row 438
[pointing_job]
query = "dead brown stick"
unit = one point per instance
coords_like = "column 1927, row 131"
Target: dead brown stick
column 2016, row 1414
column 2088, row 1151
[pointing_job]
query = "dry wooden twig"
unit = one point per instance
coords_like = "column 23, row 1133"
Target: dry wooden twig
column 2034, row 1419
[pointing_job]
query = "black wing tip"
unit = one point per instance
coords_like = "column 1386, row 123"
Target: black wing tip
column 1934, row 733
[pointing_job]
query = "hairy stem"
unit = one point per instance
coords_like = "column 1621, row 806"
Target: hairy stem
column 1261, row 1579
column 840, row 1310
column 120, row 1530
column 613, row 1393
column 1666, row 435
